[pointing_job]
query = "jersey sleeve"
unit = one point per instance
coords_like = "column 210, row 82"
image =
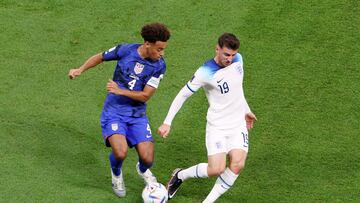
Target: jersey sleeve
column 114, row 53
column 155, row 79
column 176, row 105
column 198, row 80
column 238, row 63
column 238, row 58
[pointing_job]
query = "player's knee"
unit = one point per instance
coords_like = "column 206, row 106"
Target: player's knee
column 120, row 154
column 237, row 167
column 148, row 161
column 147, row 158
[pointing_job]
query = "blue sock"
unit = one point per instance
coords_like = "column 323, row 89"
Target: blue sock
column 115, row 164
column 143, row 167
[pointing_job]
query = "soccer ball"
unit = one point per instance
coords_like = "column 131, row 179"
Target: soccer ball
column 155, row 193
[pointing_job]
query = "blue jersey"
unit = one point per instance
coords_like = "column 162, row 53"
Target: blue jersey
column 132, row 73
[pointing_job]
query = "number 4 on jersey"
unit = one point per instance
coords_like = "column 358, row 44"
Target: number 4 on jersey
column 131, row 84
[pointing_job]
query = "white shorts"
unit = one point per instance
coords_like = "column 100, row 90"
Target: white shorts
column 223, row 141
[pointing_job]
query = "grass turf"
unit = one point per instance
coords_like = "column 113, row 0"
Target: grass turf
column 301, row 79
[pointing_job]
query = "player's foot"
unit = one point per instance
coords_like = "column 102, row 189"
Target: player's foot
column 174, row 183
column 148, row 176
column 118, row 184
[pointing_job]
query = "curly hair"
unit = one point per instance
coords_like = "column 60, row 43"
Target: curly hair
column 155, row 32
column 229, row 41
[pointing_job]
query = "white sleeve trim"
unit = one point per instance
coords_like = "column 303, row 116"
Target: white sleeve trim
column 154, row 82
column 177, row 103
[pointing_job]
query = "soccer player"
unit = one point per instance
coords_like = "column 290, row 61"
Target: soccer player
column 228, row 119
column 124, row 123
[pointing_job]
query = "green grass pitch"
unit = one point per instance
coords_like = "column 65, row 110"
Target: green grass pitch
column 302, row 80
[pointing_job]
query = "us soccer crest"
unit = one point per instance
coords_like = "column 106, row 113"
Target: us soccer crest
column 138, row 68
column 114, row 126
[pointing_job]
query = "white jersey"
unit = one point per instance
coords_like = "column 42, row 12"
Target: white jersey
column 224, row 91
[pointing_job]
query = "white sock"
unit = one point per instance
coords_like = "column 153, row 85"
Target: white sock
column 197, row 171
column 222, row 184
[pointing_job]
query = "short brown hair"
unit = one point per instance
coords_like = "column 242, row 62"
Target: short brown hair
column 229, row 41
column 155, row 32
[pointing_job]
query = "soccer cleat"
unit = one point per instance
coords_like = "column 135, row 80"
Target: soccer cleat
column 174, row 183
column 148, row 176
column 118, row 184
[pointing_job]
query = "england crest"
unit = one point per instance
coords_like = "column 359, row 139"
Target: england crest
column 138, row 68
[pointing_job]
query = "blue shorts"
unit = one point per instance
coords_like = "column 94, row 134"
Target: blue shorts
column 135, row 129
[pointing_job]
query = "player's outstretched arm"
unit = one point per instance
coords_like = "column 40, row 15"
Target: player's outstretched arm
column 176, row 105
column 91, row 62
